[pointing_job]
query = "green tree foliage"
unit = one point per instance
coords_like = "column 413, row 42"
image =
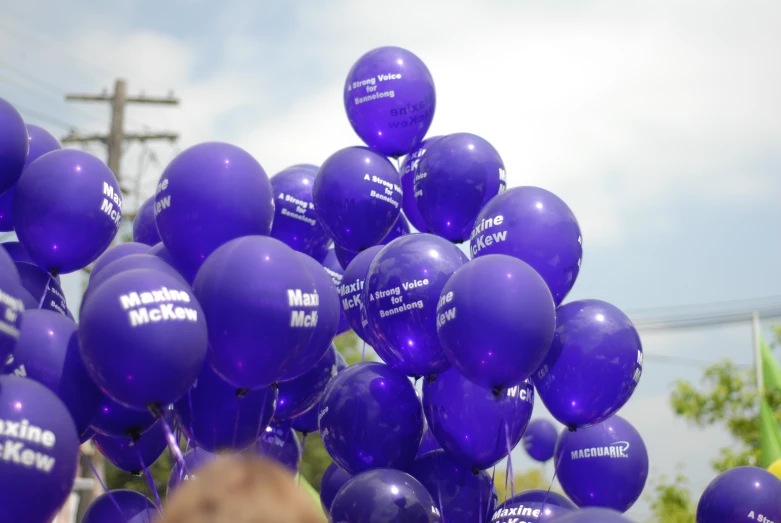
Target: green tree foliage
column 671, row 501
column 533, row 479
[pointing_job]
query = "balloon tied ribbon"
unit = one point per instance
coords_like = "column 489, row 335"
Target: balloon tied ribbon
column 240, row 393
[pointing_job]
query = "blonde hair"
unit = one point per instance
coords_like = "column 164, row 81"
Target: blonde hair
column 236, row 489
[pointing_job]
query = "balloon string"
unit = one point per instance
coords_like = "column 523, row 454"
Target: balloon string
column 493, row 478
column 509, row 459
column 169, row 436
column 100, row 480
column 149, row 479
column 45, row 292
column 439, row 486
column 260, row 421
column 556, row 464
column 363, row 352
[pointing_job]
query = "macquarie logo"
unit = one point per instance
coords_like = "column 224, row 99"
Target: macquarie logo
column 618, row 450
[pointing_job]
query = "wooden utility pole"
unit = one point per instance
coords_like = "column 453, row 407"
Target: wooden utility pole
column 117, row 136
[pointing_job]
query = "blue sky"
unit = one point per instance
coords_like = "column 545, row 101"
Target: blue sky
column 656, row 121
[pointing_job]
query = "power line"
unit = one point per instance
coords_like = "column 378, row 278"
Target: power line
column 709, row 315
column 45, row 118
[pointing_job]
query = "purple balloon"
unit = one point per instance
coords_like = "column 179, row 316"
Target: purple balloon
column 130, row 262
column 593, row 366
column 604, row 465
column 460, row 494
column 48, row 352
column 44, row 288
column 261, row 308
column 400, row 228
column 86, row 435
column 117, row 253
column 280, row 443
column 457, row 176
column 515, row 510
column 428, row 443
column 357, row 197
column 543, row 497
column 539, row 440
column 113, row 419
column 408, row 170
column 133, row 455
column 307, row 422
column 209, row 195
column 370, row 417
column 67, row 210
column 328, row 309
column 194, row 459
column 331, row 483
column 144, row 226
column 143, row 338
column 384, row 495
column 40, row 457
column 390, row 100
column 121, row 505
column 12, row 304
column 535, row 226
column 351, row 289
column 302, row 393
column 593, row 515
column 161, row 252
column 40, row 143
column 295, row 221
column 217, row 416
column 495, row 320
column 14, row 145
column 476, row 426
column 17, row 252
column 401, row 294
column 336, row 272
column 741, row 494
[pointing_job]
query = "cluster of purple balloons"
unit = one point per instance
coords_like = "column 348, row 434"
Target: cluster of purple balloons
column 217, row 322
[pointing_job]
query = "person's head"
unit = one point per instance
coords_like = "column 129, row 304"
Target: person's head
column 236, row 489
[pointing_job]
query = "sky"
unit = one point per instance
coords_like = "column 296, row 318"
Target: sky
column 656, row 121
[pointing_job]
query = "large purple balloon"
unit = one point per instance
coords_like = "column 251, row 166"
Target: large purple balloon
column 476, row 426
column 332, row 482
column 113, row 419
column 295, row 221
column 384, row 495
column 336, row 272
column 143, row 338
column 456, row 178
column 408, row 170
column 357, row 197
column 351, row 289
column 261, row 307
column 14, row 145
column 535, row 226
column 144, row 226
column 67, row 210
column 370, row 417
column 539, row 440
column 279, row 442
column 40, row 451
column 400, row 228
column 217, row 416
column 48, row 352
column 302, row 393
column 328, row 310
column 40, row 142
column 593, row 366
column 495, row 320
column 194, row 459
column 515, row 510
column 605, row 465
column 208, row 195
column 133, row 455
column 130, row 262
column 44, row 289
column 428, row 443
column 592, row 515
column 401, row 294
column 459, row 494
column 390, row 100
column 121, row 505
column 741, row 494
column 17, row 252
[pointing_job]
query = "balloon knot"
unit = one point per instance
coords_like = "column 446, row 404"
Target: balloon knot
column 155, row 410
column 416, row 378
column 134, row 434
column 475, row 471
column 54, row 273
column 572, row 428
column 431, row 378
column 240, row 393
column 496, row 391
column 137, row 473
column 275, row 386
